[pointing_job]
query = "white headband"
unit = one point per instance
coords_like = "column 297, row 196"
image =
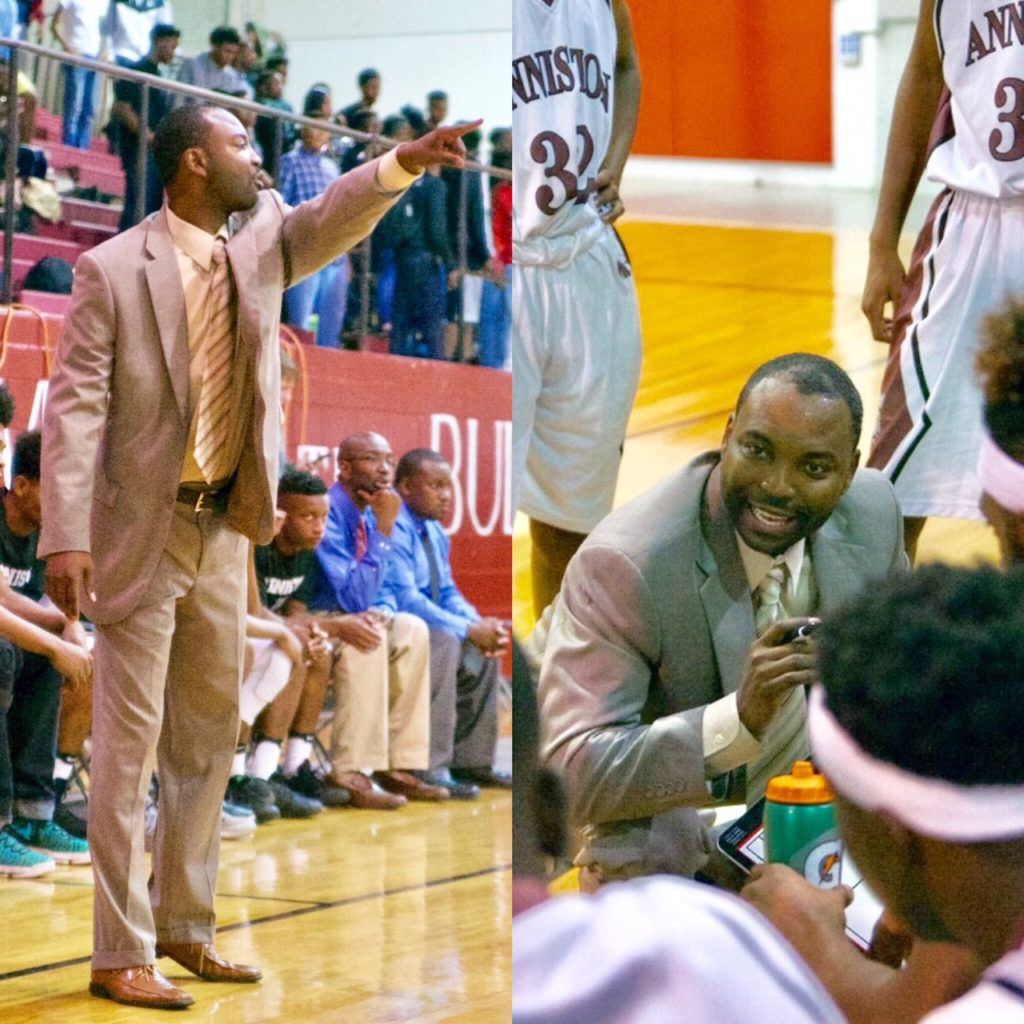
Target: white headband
column 933, row 807
column 1001, row 476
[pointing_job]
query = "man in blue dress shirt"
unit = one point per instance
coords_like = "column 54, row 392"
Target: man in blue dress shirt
column 381, row 732
column 464, row 646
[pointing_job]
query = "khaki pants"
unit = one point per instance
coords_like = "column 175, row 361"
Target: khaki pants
column 165, row 696
column 383, row 702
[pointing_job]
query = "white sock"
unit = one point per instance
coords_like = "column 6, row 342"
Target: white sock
column 238, row 764
column 62, row 768
column 298, row 750
column 263, row 762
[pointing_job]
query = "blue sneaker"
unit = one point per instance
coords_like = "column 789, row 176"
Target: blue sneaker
column 18, row 861
column 236, row 822
column 49, row 839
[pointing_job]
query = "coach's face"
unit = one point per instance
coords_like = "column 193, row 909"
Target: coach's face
column 231, row 162
column 787, row 459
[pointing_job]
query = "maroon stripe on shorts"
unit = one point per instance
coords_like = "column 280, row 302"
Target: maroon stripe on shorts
column 894, row 420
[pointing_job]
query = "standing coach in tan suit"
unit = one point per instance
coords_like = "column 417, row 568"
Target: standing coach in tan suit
column 162, row 419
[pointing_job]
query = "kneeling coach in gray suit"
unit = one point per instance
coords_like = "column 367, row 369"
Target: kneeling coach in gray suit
column 668, row 680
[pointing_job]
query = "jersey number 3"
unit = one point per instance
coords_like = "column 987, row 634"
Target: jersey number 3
column 1009, row 90
column 551, row 150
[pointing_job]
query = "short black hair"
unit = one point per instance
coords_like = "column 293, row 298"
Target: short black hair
column 391, row 124
column 926, row 672
column 414, row 460
column 435, row 95
column 181, row 129
column 6, row 405
column 298, row 481
column 811, row 375
column 279, row 60
column 417, row 122
column 313, row 104
column 164, row 31
column 225, row 34
column 27, row 455
column 367, row 75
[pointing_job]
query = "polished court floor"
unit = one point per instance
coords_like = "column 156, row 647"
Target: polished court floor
column 356, row 917
column 728, row 278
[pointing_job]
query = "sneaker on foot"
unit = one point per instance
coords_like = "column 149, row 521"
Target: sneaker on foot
column 73, row 818
column 292, row 804
column 49, row 839
column 307, row 781
column 236, row 822
column 255, row 794
column 18, row 861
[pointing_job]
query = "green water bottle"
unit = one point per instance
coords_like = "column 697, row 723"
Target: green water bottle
column 800, row 826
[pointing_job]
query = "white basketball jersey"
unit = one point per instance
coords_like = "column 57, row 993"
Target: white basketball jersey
column 563, row 75
column 979, row 134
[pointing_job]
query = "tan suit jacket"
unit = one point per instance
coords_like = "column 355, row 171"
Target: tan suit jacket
column 653, row 623
column 117, row 413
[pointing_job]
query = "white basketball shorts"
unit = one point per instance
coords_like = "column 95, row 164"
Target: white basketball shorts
column 576, row 364
column 969, row 257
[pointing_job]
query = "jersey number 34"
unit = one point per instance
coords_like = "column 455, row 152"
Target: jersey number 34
column 552, row 151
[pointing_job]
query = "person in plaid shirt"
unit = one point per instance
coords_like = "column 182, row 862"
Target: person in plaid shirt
column 306, row 172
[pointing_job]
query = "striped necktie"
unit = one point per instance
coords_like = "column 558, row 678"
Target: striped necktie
column 769, row 597
column 215, row 396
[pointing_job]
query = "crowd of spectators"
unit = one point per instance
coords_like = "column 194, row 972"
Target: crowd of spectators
column 432, row 281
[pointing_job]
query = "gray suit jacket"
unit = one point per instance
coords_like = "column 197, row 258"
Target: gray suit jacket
column 117, row 413
column 653, row 623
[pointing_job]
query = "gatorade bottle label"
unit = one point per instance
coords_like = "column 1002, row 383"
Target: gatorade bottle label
column 820, row 861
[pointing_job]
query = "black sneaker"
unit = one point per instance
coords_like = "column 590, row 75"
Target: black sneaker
column 73, row 818
column 307, row 781
column 292, row 804
column 255, row 794
column 443, row 777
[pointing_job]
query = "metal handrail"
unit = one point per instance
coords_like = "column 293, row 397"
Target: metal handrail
column 147, row 81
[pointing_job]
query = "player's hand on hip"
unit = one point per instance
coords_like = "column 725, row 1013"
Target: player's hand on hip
column 774, row 669
column 884, row 283
column 606, row 196
column 68, row 576
column 442, row 146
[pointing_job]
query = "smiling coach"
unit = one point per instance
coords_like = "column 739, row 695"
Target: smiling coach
column 667, row 681
column 163, row 420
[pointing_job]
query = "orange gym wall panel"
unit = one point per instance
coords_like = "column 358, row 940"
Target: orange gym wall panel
column 735, row 79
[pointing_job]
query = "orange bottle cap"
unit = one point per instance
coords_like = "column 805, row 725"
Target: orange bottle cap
column 803, row 786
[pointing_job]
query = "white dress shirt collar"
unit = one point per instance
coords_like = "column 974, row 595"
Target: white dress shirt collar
column 193, row 241
column 756, row 564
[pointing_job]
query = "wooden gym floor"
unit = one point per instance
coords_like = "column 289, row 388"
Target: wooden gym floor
column 728, row 279
column 356, row 917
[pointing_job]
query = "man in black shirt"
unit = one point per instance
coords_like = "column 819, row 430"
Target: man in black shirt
column 126, row 113
column 369, row 90
column 30, row 687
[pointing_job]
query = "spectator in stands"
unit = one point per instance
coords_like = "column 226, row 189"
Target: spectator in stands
column 47, row 647
column 130, row 25
column 269, row 92
column 356, row 153
column 278, row 63
column 78, row 27
column 395, row 127
column 416, row 231
column 437, row 109
column 29, row 11
column 464, row 645
column 216, row 68
column 368, row 81
column 496, row 300
column 382, row 678
column 464, row 191
column 306, row 172
column 126, row 113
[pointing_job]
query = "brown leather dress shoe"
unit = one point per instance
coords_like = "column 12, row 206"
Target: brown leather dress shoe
column 366, row 794
column 203, row 960
column 409, row 786
column 139, row 986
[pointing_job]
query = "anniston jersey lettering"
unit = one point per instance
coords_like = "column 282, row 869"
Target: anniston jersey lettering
column 979, row 132
column 563, row 72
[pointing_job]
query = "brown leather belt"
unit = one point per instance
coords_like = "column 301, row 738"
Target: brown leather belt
column 204, row 500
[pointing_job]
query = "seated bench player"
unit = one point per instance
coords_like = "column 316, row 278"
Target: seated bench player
column 464, row 645
column 381, row 732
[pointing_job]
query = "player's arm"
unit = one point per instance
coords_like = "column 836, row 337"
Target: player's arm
column 905, row 158
column 624, row 116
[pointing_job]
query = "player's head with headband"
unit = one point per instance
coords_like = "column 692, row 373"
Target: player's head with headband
column 1000, row 365
column 917, row 725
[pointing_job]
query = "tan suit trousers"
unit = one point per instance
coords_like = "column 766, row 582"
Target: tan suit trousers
column 165, row 696
column 382, row 716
